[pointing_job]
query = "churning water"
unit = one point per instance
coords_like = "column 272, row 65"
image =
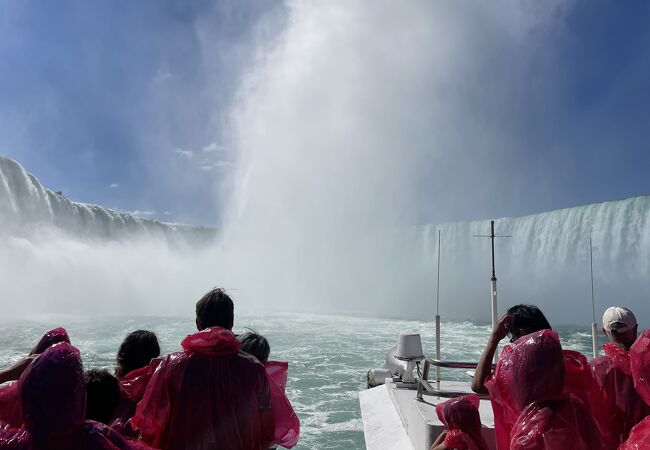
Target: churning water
column 328, row 356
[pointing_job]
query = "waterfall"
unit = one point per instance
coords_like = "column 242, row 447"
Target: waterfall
column 387, row 272
column 546, row 259
column 26, row 206
column 60, row 256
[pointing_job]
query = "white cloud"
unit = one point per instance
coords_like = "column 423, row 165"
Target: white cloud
column 189, row 154
column 137, row 212
column 113, row 186
column 215, row 165
column 167, row 213
column 162, row 75
column 213, row 147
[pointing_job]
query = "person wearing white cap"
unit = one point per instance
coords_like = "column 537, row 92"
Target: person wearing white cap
column 620, row 326
column 611, row 372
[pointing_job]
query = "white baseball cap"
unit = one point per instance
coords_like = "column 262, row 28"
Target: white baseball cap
column 618, row 319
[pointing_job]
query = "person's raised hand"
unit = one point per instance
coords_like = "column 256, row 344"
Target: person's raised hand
column 501, row 328
column 439, row 443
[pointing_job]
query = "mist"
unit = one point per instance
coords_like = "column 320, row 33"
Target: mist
column 362, row 124
column 333, row 138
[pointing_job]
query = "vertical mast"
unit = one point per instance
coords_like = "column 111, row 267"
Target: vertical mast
column 493, row 288
column 438, row 287
column 594, row 329
column 438, row 317
column 493, row 280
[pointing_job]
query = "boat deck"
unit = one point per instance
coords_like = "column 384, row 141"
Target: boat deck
column 393, row 418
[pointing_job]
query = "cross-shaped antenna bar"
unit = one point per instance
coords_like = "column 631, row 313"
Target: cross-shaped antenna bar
column 492, row 236
column 493, row 283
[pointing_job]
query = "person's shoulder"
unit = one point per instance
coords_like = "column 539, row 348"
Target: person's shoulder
column 175, row 358
column 249, row 360
column 600, row 363
column 172, row 363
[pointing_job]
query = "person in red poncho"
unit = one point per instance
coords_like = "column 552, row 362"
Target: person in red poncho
column 137, row 359
column 9, row 395
column 461, row 418
column 621, row 406
column 210, row 395
column 53, row 398
column 287, row 424
column 639, row 438
column 549, row 419
column 520, row 320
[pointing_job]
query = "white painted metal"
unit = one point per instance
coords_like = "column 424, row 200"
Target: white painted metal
column 437, row 350
column 389, row 414
column 594, row 329
column 382, row 425
column 493, row 296
column 409, row 346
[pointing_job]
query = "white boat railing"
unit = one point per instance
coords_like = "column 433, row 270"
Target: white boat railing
column 425, row 385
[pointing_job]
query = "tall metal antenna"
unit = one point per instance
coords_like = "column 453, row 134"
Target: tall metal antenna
column 594, row 329
column 438, row 317
column 493, row 280
column 438, row 288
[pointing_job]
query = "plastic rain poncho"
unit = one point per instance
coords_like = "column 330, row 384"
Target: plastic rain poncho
column 208, row 396
column 132, row 388
column 9, row 396
column 549, row 419
column 53, row 397
column 639, row 438
column 621, row 406
column 461, row 417
column 287, row 425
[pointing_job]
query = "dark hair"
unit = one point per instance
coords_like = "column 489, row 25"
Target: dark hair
column 528, row 319
column 215, row 309
column 136, row 351
column 102, row 395
column 255, row 344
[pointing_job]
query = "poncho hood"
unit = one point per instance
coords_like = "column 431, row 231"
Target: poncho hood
column 52, row 391
column 215, row 341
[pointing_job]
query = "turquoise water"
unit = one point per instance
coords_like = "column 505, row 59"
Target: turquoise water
column 328, row 356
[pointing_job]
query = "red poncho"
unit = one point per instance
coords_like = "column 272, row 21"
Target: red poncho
column 9, row 395
column 53, row 396
column 510, row 394
column 556, row 425
column 132, row 388
column 287, row 425
column 640, row 365
column 10, row 404
column 209, row 396
column 621, row 405
column 531, row 394
column 639, row 438
column 461, row 417
column 49, row 339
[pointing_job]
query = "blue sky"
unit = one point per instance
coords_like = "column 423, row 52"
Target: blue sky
column 122, row 103
column 127, row 104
